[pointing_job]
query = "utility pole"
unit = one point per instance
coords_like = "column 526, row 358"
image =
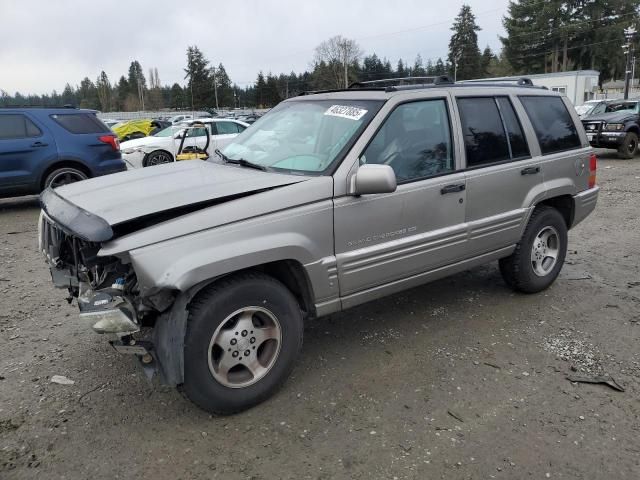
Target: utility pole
column 633, row 72
column 215, row 86
column 344, row 61
column 629, row 33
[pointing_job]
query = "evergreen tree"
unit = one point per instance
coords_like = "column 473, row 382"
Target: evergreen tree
column 68, row 95
column 177, row 97
column 464, row 54
column 400, row 71
column 260, row 91
column 439, row 68
column 200, row 84
column 557, row 35
column 485, row 61
column 122, row 91
column 418, row 67
column 103, row 88
column 225, row 91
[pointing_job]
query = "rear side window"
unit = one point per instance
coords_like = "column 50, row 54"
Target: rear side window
column 80, row 123
column 517, row 141
column 14, row 126
column 485, row 140
column 552, row 123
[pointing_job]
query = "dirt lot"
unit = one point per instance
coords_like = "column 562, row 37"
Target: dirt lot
column 458, row 379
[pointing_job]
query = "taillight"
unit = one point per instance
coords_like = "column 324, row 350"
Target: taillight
column 593, row 166
column 111, row 140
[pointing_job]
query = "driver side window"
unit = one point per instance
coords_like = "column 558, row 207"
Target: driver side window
column 415, row 140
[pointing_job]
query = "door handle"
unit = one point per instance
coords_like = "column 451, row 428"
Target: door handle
column 530, row 170
column 39, row 144
column 458, row 187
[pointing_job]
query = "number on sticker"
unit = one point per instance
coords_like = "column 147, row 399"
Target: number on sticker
column 344, row 111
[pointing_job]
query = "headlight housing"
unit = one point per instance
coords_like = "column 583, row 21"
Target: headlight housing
column 614, row 127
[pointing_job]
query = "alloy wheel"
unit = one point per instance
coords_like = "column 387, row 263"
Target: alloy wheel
column 244, row 347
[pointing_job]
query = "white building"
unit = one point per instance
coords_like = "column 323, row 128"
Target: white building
column 578, row 85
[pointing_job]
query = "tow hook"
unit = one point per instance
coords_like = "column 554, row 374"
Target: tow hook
column 142, row 349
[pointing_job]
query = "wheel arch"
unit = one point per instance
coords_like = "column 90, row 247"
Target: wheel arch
column 146, row 155
column 63, row 164
column 634, row 128
column 565, row 204
column 171, row 326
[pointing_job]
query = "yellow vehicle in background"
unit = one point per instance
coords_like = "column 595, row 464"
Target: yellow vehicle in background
column 138, row 128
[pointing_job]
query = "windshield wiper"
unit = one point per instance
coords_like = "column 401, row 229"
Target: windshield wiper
column 240, row 161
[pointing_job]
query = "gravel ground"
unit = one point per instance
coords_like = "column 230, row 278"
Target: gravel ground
column 458, row 379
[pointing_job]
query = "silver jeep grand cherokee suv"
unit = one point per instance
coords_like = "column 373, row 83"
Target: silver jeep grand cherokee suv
column 206, row 271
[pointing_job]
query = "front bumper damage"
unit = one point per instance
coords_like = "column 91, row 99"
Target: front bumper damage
column 105, row 289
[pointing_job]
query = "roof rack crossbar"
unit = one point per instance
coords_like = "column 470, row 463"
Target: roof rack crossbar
column 522, row 81
column 394, row 82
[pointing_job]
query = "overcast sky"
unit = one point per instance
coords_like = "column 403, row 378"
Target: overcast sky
column 47, row 43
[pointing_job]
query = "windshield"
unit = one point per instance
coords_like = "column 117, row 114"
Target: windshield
column 167, row 132
column 303, row 136
column 620, row 106
column 585, row 108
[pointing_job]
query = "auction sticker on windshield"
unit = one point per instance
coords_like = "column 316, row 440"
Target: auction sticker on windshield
column 352, row 113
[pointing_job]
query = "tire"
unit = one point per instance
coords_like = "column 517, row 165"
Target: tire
column 629, row 146
column 531, row 268
column 64, row 176
column 218, row 336
column 157, row 157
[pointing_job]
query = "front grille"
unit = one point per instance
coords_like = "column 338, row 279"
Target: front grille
column 52, row 240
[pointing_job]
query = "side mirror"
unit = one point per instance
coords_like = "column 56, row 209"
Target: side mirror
column 372, row 179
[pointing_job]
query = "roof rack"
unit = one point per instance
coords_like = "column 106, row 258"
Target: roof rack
column 522, row 81
column 414, row 83
column 313, row 92
column 401, row 81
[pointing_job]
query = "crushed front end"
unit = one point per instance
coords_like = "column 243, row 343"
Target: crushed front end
column 105, row 287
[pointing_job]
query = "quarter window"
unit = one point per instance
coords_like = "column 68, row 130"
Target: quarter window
column 517, row 140
column 79, row 123
column 552, row 123
column 14, row 126
column 415, row 140
column 485, row 140
column 226, row 128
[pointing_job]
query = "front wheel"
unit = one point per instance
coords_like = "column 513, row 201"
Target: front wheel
column 629, row 146
column 539, row 256
column 157, row 157
column 243, row 337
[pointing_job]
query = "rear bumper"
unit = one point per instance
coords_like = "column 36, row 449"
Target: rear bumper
column 110, row 166
column 584, row 203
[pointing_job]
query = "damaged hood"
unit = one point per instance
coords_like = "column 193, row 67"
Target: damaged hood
column 611, row 117
column 123, row 197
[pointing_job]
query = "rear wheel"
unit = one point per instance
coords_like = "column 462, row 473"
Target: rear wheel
column 243, row 337
column 539, row 256
column 157, row 157
column 64, row 176
column 629, row 146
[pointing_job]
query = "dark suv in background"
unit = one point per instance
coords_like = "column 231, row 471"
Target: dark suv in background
column 49, row 147
column 615, row 126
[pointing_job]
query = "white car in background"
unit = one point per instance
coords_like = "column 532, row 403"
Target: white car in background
column 163, row 146
column 180, row 118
